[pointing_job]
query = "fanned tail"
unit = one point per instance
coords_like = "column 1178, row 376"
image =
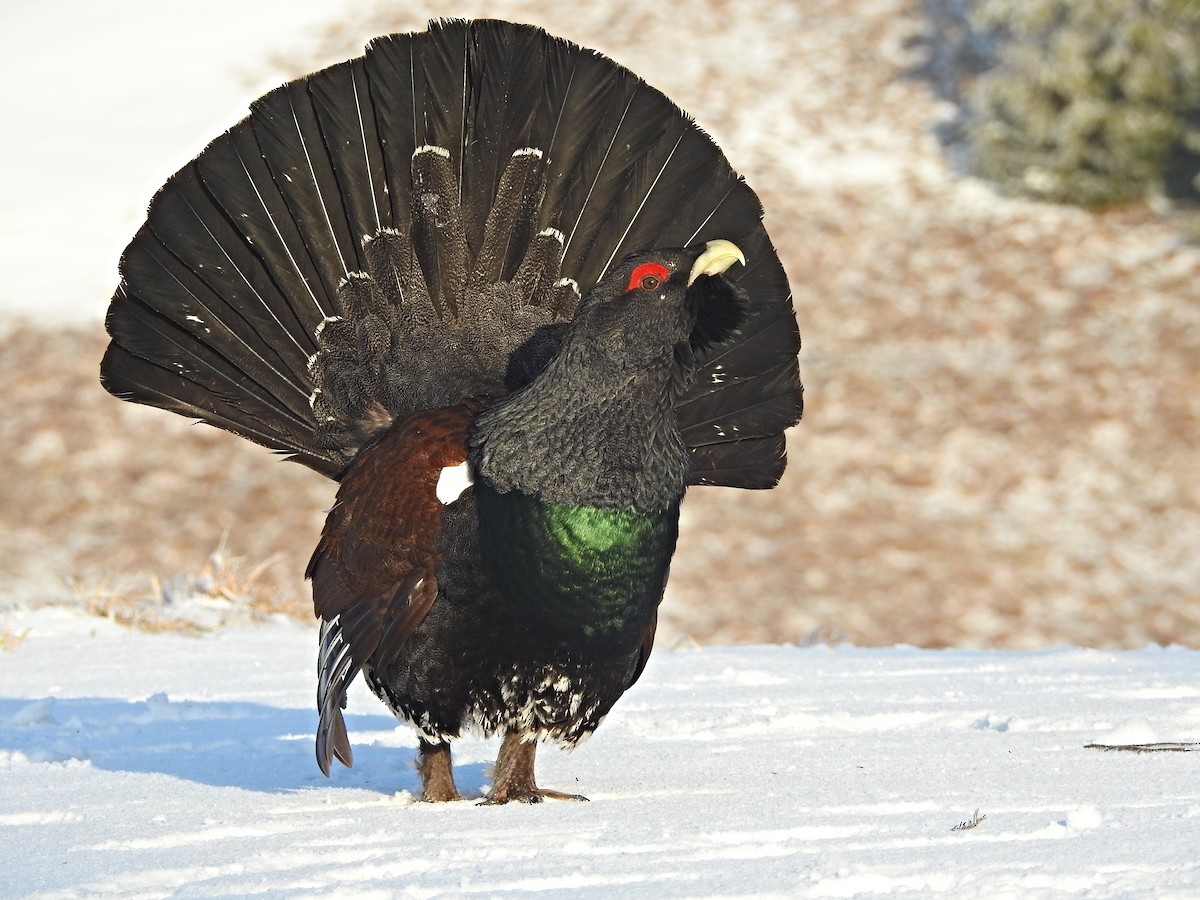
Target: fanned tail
column 380, row 237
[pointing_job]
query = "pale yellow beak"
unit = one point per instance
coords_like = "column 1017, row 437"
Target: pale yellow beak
column 718, row 256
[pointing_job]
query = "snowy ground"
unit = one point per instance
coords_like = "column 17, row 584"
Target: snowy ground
column 159, row 765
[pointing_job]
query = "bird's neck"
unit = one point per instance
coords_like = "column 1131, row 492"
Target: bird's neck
column 589, row 431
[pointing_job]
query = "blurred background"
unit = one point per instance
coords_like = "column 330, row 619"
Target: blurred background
column 987, row 210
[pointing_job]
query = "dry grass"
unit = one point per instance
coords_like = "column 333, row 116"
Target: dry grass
column 102, row 497
column 10, row 640
column 1000, row 447
column 225, row 591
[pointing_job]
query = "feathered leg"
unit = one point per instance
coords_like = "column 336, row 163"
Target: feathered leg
column 437, row 773
column 513, row 776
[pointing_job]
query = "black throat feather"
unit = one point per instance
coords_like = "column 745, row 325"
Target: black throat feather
column 597, row 425
column 588, row 431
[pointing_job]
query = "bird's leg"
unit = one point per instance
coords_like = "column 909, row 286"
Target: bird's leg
column 513, row 775
column 437, row 773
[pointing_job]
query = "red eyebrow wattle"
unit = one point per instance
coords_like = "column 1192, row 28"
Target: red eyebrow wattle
column 658, row 270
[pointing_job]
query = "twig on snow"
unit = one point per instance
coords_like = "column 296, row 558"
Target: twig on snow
column 970, row 823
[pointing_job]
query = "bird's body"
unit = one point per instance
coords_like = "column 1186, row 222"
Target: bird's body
column 530, row 352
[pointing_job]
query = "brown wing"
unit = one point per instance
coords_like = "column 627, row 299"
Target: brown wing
column 374, row 572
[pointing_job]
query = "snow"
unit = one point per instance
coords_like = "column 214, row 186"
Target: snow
column 127, row 91
column 153, row 765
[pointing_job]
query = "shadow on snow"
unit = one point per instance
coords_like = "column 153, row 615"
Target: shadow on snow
column 220, row 743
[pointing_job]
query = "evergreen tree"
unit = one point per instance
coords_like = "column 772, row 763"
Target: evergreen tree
column 1093, row 101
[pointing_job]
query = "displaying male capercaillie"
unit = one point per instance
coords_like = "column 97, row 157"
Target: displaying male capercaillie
column 491, row 283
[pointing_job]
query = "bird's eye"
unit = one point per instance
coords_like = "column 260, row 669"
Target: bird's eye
column 648, row 277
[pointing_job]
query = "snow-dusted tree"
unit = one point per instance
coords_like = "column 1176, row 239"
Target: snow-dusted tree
column 1092, row 100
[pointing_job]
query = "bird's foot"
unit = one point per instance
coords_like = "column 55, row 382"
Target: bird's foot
column 514, row 776
column 438, row 794
column 437, row 774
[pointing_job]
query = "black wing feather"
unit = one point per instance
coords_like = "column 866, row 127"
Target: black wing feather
column 336, row 670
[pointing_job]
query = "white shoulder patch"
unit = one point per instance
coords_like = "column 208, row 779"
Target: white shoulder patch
column 452, row 482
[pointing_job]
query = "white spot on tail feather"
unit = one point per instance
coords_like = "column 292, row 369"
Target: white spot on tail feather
column 352, row 276
column 326, row 321
column 552, row 233
column 430, row 148
column 386, row 229
column 452, row 482
column 528, row 151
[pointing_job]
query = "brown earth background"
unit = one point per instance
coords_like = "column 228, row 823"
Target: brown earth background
column 1003, row 398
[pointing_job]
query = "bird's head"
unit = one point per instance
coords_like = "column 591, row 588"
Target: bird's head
column 659, row 302
column 590, row 420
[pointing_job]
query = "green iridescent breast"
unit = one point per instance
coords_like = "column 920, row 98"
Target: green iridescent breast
column 579, row 570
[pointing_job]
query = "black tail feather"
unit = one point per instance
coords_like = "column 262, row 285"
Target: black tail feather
column 342, row 103
column 442, row 92
column 196, row 273
column 437, row 227
column 239, row 182
column 501, row 64
column 189, row 337
column 750, row 408
column 397, row 92
column 293, row 146
column 756, row 464
column 129, row 376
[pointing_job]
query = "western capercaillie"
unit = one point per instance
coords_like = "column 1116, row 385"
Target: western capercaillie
column 515, row 301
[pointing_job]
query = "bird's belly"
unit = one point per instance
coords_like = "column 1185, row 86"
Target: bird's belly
column 541, row 634
column 557, row 697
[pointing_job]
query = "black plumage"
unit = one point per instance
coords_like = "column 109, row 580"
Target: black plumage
column 478, row 249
